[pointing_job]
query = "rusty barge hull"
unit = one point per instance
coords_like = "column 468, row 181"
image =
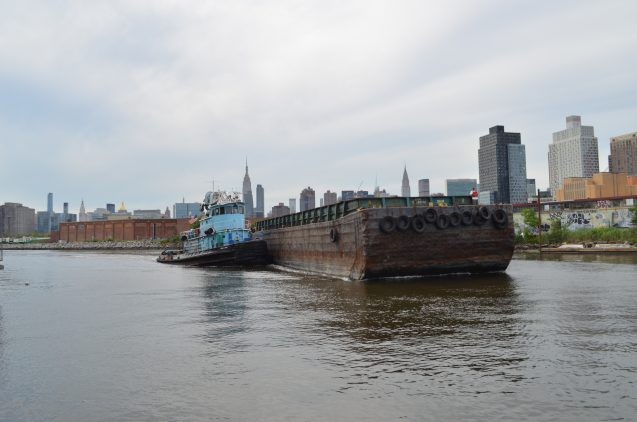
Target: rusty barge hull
column 364, row 245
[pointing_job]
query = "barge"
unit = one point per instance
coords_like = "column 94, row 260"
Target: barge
column 392, row 237
column 221, row 239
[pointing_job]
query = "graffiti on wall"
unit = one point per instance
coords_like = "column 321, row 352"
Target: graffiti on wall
column 602, row 216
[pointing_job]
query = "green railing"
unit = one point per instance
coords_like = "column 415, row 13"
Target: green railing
column 341, row 209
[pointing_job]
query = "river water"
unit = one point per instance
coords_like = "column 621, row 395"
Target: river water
column 114, row 336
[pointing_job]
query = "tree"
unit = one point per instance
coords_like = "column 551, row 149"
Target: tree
column 634, row 211
column 530, row 218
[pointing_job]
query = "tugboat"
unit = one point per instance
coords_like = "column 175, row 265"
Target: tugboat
column 221, row 239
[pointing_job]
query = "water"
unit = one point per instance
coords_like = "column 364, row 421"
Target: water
column 103, row 337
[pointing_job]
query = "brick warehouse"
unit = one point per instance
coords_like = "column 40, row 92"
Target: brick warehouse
column 87, row 231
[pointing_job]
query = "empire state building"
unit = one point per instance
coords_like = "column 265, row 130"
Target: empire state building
column 247, row 194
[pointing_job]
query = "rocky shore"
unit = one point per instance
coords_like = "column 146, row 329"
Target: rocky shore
column 113, row 245
column 586, row 247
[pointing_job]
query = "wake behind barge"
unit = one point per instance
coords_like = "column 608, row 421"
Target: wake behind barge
column 392, row 237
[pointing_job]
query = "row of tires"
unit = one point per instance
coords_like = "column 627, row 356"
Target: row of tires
column 478, row 216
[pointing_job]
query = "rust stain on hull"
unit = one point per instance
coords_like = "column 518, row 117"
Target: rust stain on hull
column 356, row 246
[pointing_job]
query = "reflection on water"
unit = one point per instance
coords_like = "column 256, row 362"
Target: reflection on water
column 118, row 337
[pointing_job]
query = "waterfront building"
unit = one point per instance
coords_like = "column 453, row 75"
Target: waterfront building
column 186, row 209
column 16, row 220
column 460, row 187
column 623, row 154
column 280, row 210
column 110, row 208
column 573, row 153
column 307, row 200
column 259, row 213
column 43, row 222
column 126, row 229
column 600, row 186
column 423, row 187
column 83, row 216
column 247, row 194
column 329, row 198
column 502, row 167
column 346, row 195
column 292, row 202
column 405, row 189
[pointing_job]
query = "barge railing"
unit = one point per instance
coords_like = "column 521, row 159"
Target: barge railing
column 340, row 209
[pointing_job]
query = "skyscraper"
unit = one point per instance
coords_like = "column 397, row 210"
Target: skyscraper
column 329, row 198
column 406, row 190
column 292, row 202
column 83, row 216
column 49, row 210
column 423, row 187
column 259, row 213
column 307, row 200
column 502, row 166
column 623, row 154
column 247, row 194
column 573, row 153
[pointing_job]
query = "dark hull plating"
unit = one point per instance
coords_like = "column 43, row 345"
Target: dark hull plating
column 356, row 247
column 252, row 253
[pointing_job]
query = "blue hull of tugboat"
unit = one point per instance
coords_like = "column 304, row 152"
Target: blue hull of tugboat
column 244, row 254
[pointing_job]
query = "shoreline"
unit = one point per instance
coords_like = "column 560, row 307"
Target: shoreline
column 584, row 249
column 88, row 246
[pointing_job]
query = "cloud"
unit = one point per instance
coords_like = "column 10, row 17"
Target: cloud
column 148, row 101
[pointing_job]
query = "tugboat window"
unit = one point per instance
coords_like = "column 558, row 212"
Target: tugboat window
column 222, row 210
column 240, row 209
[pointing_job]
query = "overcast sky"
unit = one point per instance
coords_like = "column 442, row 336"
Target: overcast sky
column 148, row 102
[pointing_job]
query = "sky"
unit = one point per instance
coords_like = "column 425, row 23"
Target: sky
column 149, row 102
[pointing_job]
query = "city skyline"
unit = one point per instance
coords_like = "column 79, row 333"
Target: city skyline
column 148, row 107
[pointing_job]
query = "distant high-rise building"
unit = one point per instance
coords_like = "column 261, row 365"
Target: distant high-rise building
column 49, row 210
column 460, row 187
column 405, row 189
column 346, row 195
column 531, row 189
column 573, row 153
column 186, row 209
column 147, row 214
column 167, row 213
column 16, row 219
column 65, row 212
column 423, row 187
column 329, row 198
column 502, row 167
column 307, row 200
column 110, row 208
column 623, row 154
column 83, row 216
column 292, row 202
column 247, row 194
column 280, row 210
column 259, row 213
